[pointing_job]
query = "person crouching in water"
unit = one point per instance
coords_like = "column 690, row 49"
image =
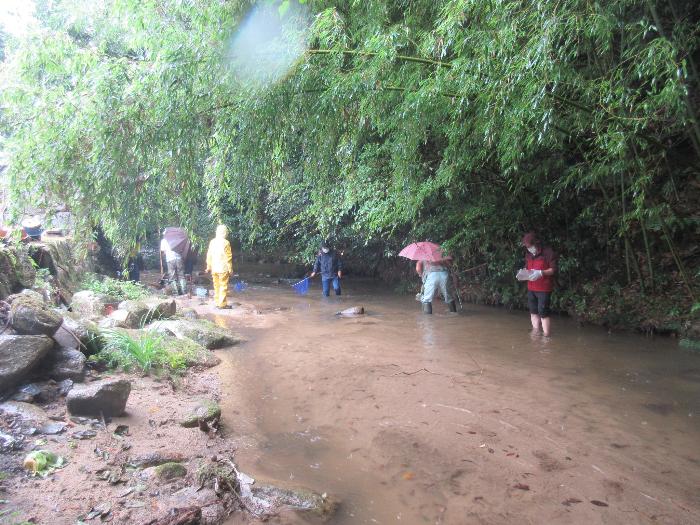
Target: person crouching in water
column 543, row 265
column 436, row 277
column 220, row 264
column 330, row 266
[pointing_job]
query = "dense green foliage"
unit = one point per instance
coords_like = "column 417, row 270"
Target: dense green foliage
column 118, row 290
column 464, row 121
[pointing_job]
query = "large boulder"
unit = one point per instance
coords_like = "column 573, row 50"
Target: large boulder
column 194, row 354
column 133, row 314
column 161, row 307
column 89, row 304
column 200, row 331
column 19, row 355
column 31, row 317
column 118, row 319
column 26, row 293
column 27, row 412
column 65, row 363
column 64, row 266
column 16, row 270
column 79, row 334
column 108, row 396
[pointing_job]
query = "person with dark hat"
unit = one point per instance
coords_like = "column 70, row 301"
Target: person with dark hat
column 541, row 265
column 330, row 266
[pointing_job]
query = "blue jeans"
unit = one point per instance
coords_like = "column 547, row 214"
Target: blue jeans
column 326, row 282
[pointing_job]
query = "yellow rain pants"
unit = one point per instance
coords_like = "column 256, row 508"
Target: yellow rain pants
column 220, row 288
column 220, row 264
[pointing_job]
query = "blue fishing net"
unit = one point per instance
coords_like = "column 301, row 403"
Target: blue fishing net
column 302, row 287
column 240, row 286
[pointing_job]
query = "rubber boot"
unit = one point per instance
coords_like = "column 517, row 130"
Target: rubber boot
column 427, row 308
column 453, row 306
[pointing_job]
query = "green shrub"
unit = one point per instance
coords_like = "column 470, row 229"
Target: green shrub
column 146, row 352
column 690, row 344
column 114, row 288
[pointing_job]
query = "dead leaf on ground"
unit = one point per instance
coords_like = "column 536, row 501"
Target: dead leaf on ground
column 570, row 501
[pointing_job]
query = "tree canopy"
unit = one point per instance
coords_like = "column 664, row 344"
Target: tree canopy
column 460, row 121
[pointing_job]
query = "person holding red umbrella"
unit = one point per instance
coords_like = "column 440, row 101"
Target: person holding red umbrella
column 433, row 267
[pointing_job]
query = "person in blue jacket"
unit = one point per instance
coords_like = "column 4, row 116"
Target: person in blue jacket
column 330, row 266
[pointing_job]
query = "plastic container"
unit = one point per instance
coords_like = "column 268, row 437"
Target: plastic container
column 34, row 233
column 523, row 274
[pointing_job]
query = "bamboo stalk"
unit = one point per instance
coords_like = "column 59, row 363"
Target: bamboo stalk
column 624, row 232
column 676, row 258
column 405, row 58
column 637, row 268
column 648, row 250
column 694, row 135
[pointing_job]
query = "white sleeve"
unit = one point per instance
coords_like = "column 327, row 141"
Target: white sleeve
column 164, row 246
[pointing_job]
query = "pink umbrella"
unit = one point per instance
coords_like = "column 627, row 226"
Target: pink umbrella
column 424, row 251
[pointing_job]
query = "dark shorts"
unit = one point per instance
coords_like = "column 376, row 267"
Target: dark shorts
column 538, row 302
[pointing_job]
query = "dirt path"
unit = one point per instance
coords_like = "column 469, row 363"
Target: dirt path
column 464, row 419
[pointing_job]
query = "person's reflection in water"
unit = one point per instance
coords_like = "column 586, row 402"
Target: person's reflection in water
column 542, row 344
column 221, row 321
column 427, row 331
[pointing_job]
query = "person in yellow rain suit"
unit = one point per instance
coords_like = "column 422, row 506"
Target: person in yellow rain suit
column 220, row 264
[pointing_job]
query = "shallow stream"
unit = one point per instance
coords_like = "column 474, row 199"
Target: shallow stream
column 464, row 418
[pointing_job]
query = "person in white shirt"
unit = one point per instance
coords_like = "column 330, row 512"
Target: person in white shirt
column 176, row 267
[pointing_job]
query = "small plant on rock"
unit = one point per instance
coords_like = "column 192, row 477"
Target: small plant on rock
column 147, row 352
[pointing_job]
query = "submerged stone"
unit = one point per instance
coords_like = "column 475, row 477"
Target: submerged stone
column 200, row 331
column 351, row 312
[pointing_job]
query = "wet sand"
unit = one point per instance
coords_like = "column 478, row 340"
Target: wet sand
column 461, row 419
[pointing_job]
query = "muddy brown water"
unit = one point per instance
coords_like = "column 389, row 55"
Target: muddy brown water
column 465, row 418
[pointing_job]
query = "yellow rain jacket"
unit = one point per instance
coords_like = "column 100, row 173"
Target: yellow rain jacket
column 219, row 262
column 219, row 256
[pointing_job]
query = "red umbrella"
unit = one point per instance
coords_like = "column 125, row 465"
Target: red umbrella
column 424, row 251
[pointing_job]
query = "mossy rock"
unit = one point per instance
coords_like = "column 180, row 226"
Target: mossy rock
column 207, row 411
column 29, row 316
column 301, row 500
column 193, row 353
column 170, row 471
column 200, row 331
